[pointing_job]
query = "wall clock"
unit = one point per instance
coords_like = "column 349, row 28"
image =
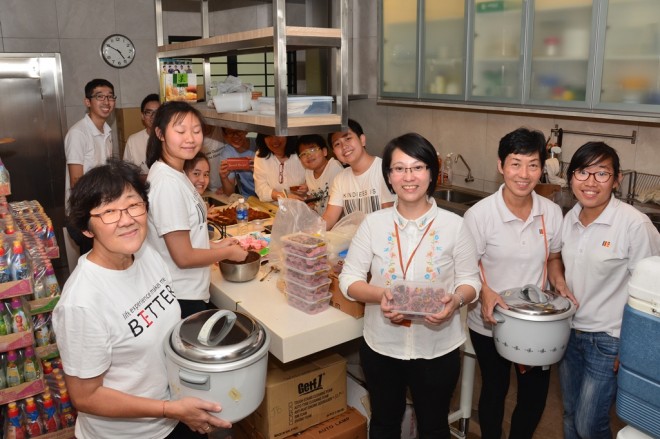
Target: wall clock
column 118, row 51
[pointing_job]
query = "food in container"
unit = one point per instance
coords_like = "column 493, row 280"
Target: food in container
column 232, row 102
column 297, row 105
column 303, row 244
column 306, row 292
column 312, row 279
column 308, row 265
column 239, row 163
column 417, row 299
column 309, row 306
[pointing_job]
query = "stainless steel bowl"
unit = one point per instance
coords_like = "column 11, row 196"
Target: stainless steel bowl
column 241, row 271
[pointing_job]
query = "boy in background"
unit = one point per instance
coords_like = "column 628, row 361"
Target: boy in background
column 237, row 144
column 319, row 171
column 136, row 145
column 361, row 186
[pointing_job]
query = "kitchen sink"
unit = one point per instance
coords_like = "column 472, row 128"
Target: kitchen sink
column 457, row 196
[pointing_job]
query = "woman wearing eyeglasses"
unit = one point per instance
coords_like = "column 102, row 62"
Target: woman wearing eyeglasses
column 116, row 310
column 603, row 239
column 419, row 242
column 177, row 215
column 277, row 167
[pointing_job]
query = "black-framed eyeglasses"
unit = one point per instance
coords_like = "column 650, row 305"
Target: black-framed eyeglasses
column 100, row 97
column 112, row 216
column 400, row 170
column 600, row 176
column 149, row 113
column 281, row 176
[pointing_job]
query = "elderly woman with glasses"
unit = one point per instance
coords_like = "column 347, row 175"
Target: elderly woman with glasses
column 277, row 167
column 414, row 241
column 603, row 239
column 116, row 310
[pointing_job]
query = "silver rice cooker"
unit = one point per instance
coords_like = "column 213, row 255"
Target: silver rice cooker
column 219, row 356
column 534, row 331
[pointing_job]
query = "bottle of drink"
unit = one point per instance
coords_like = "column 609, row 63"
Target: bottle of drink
column 5, row 269
column 31, row 371
column 242, row 216
column 41, row 330
column 51, row 419
column 15, row 427
column 19, row 265
column 3, row 371
column 51, row 286
column 14, row 375
column 49, row 239
column 4, row 330
column 34, row 425
column 67, row 412
column 19, row 322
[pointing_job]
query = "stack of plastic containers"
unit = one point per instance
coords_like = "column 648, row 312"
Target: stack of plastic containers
column 306, row 272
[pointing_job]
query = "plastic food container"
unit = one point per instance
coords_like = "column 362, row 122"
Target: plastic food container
column 297, row 105
column 417, row 299
column 305, row 292
column 304, row 244
column 309, row 280
column 309, row 306
column 231, row 102
column 307, row 265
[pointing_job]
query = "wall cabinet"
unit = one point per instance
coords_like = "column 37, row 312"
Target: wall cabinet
column 592, row 56
column 279, row 38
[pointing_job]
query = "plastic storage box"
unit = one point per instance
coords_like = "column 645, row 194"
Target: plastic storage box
column 304, row 244
column 638, row 396
column 417, row 299
column 308, row 293
column 297, row 105
column 301, row 263
column 309, row 280
column 309, row 306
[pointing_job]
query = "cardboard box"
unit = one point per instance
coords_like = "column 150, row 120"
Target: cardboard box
column 350, row 307
column 178, row 87
column 301, row 394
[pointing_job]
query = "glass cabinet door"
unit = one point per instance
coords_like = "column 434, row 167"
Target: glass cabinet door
column 399, row 48
column 561, row 73
column 444, row 49
column 496, row 57
column 631, row 55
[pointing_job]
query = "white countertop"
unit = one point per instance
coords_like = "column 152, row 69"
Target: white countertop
column 294, row 334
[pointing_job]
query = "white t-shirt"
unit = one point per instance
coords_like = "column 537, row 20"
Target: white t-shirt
column 267, row 175
column 114, row 322
column 85, row 145
column 174, row 204
column 136, row 150
column 365, row 192
column 212, row 148
column 320, row 187
column 599, row 260
column 513, row 252
column 446, row 258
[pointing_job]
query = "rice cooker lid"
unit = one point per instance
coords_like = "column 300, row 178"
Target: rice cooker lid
column 532, row 301
column 217, row 336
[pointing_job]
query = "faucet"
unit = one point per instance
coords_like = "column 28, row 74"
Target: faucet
column 469, row 177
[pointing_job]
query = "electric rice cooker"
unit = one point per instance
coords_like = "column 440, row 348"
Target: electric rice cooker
column 220, row 356
column 534, row 331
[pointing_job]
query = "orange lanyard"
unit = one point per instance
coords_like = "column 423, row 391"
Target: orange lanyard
column 398, row 244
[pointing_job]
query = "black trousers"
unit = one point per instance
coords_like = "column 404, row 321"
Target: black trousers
column 431, row 383
column 495, row 377
column 181, row 431
column 190, row 307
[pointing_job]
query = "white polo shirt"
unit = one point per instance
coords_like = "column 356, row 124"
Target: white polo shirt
column 513, row 252
column 599, row 260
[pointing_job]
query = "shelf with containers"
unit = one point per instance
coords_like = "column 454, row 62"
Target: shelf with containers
column 279, row 39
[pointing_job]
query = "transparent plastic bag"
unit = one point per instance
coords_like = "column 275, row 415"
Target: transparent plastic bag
column 339, row 237
column 293, row 216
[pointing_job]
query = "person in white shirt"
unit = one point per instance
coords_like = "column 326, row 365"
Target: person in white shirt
column 88, row 143
column 212, row 148
column 136, row 145
column 419, row 242
column 518, row 237
column 361, row 186
column 319, row 171
column 116, row 311
column 177, row 214
column 277, row 168
column 603, row 239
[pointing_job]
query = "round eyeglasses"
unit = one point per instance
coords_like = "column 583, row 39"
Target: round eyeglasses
column 600, row 176
column 112, row 216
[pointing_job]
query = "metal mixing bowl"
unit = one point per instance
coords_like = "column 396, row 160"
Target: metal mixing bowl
column 241, row 271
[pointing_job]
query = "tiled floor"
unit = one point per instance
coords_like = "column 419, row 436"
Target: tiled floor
column 550, row 426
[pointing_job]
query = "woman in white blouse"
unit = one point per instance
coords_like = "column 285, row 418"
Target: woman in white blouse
column 277, row 167
column 412, row 241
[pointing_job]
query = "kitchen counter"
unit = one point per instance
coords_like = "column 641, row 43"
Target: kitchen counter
column 294, row 334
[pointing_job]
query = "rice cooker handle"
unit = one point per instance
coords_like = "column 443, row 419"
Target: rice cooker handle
column 499, row 318
column 205, row 332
